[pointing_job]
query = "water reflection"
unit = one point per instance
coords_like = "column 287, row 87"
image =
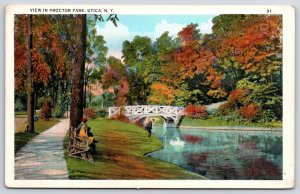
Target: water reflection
column 223, row 155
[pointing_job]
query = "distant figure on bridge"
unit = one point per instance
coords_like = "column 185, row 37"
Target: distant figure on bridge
column 148, row 125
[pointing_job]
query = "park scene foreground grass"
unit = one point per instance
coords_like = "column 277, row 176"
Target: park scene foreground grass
column 121, row 155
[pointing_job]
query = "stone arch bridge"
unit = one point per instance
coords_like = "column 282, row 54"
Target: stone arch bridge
column 171, row 114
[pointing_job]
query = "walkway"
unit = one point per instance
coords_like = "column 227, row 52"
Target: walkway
column 43, row 156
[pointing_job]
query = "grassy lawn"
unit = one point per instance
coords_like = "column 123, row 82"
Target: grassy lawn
column 218, row 121
column 21, row 138
column 20, row 112
column 121, row 155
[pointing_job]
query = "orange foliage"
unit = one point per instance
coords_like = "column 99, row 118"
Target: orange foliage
column 45, row 40
column 260, row 38
column 236, row 95
column 196, row 111
column 161, row 94
column 250, row 111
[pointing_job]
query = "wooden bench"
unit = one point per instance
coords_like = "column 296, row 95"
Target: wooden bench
column 79, row 147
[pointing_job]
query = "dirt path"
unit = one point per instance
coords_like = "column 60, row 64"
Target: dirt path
column 43, row 156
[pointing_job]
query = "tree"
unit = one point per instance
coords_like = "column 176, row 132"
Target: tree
column 95, row 56
column 29, row 84
column 115, row 76
column 31, row 68
column 76, row 111
column 139, row 57
column 249, row 54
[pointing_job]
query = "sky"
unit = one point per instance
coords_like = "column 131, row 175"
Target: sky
column 147, row 25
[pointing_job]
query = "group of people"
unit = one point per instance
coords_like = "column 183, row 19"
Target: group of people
column 84, row 131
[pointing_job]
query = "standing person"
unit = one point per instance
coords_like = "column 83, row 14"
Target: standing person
column 148, row 125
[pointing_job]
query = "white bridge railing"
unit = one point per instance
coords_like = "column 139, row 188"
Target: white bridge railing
column 147, row 110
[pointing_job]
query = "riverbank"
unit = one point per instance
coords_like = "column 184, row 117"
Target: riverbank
column 232, row 128
column 216, row 122
column 121, row 155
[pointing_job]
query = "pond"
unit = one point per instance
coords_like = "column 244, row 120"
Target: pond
column 223, row 154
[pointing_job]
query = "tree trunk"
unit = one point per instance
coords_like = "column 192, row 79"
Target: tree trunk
column 84, row 93
column 29, row 88
column 76, row 111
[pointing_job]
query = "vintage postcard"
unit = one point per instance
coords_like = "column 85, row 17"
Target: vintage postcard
column 149, row 96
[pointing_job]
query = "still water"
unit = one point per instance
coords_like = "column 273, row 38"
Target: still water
column 220, row 154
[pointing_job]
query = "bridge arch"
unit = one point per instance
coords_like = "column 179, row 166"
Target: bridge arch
column 171, row 114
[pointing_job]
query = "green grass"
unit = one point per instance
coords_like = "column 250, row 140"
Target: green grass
column 20, row 112
column 121, row 155
column 218, row 122
column 21, row 138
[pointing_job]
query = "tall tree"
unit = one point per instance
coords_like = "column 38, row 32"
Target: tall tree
column 139, row 57
column 115, row 77
column 31, row 69
column 29, row 85
column 76, row 111
column 95, row 56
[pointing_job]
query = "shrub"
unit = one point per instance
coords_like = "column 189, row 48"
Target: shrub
column 196, row 111
column 90, row 113
column 101, row 112
column 58, row 112
column 19, row 106
column 225, row 108
column 237, row 96
column 45, row 112
column 250, row 111
column 120, row 117
column 40, row 102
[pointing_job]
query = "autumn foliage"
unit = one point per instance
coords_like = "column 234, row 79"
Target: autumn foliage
column 45, row 112
column 250, row 111
column 236, row 96
column 90, row 113
column 196, row 111
column 120, row 117
column 46, row 44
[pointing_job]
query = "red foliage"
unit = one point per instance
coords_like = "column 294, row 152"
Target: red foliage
column 196, row 111
column 120, row 117
column 250, row 111
column 236, row 95
column 90, row 113
column 45, row 112
column 192, row 139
